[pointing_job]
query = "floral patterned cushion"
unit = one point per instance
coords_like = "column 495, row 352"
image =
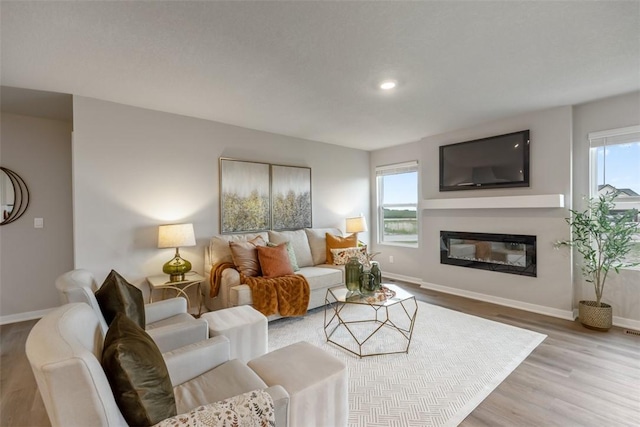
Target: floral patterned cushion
column 254, row 408
column 341, row 256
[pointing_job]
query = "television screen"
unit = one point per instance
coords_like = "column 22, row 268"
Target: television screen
column 494, row 162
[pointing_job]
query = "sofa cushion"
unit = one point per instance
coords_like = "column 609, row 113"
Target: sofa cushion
column 323, row 276
column 245, row 256
column 318, row 242
column 338, row 242
column 274, row 261
column 116, row 295
column 219, row 250
column 299, row 243
column 226, row 380
column 137, row 374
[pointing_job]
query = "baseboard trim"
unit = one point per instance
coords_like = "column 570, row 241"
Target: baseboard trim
column 21, row 317
column 534, row 308
column 626, row 323
column 400, row 277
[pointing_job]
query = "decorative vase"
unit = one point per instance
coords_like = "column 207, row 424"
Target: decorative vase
column 367, row 283
column 352, row 272
column 377, row 275
column 593, row 317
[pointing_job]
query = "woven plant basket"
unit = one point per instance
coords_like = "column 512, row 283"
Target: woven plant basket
column 593, row 317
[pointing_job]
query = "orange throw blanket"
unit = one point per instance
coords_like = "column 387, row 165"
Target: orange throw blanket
column 287, row 295
column 216, row 274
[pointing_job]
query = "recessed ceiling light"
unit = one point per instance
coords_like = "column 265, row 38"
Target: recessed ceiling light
column 387, row 85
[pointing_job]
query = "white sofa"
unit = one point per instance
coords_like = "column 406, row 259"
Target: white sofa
column 309, row 246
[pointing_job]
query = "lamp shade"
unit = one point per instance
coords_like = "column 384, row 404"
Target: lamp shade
column 356, row 224
column 176, row 236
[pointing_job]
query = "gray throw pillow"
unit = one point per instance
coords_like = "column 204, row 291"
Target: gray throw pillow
column 116, row 295
column 137, row 374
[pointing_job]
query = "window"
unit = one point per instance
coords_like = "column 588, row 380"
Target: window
column 615, row 166
column 398, row 204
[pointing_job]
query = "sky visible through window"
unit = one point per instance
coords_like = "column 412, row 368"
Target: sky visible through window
column 401, row 188
column 620, row 167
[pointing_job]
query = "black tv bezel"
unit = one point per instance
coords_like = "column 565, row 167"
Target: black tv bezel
column 525, row 162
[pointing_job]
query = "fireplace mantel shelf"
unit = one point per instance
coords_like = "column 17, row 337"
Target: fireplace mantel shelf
column 503, row 202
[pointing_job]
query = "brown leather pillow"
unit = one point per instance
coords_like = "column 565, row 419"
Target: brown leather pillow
column 274, row 261
column 245, row 256
column 337, row 242
column 137, row 374
column 116, row 295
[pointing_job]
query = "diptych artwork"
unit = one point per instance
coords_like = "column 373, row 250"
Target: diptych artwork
column 259, row 196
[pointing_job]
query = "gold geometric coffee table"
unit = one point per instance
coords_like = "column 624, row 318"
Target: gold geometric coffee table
column 370, row 326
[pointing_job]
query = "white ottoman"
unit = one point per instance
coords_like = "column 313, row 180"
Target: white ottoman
column 245, row 327
column 316, row 381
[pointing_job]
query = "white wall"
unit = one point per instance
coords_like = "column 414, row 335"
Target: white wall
column 135, row 169
column 39, row 150
column 551, row 143
column 622, row 291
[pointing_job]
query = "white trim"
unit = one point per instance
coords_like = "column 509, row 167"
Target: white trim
column 534, row 308
column 611, row 133
column 503, row 202
column 21, row 317
column 623, row 322
column 402, row 278
column 396, row 168
column 572, row 315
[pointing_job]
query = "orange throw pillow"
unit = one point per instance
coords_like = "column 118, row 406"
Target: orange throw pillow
column 274, row 260
column 337, row 242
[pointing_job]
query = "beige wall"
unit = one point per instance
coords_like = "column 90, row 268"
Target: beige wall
column 622, row 290
column 39, row 150
column 135, row 169
column 551, row 291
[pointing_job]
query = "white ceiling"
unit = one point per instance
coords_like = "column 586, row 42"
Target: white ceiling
column 310, row 69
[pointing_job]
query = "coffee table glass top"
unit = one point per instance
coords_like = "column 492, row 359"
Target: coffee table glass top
column 342, row 294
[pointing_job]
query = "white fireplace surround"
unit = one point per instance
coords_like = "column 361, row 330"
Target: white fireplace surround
column 502, row 202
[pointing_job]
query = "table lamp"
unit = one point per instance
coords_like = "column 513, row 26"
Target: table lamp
column 356, row 224
column 176, row 236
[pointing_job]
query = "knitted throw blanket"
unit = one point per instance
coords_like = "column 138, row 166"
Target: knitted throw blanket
column 287, row 295
column 215, row 277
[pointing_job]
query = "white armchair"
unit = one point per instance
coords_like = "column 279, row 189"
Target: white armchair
column 167, row 322
column 64, row 349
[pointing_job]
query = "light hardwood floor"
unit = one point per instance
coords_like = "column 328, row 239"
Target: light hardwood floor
column 576, row 377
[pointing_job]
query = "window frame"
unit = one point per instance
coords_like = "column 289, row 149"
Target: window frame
column 395, row 169
column 605, row 139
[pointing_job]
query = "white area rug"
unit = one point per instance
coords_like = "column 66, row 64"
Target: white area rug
column 455, row 361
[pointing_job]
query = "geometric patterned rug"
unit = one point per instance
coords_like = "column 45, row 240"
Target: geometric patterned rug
column 455, row 361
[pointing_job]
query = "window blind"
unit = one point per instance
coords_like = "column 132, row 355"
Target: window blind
column 614, row 136
column 397, row 168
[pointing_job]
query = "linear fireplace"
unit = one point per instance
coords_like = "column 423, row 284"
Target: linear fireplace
column 505, row 253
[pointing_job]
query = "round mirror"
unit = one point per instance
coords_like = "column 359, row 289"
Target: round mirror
column 14, row 196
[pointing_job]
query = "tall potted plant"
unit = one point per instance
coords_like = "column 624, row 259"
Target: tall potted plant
column 604, row 239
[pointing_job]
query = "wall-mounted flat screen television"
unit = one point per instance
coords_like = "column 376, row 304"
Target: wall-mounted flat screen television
column 495, row 162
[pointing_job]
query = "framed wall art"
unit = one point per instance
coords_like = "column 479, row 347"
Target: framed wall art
column 244, row 196
column 290, row 197
column 258, row 196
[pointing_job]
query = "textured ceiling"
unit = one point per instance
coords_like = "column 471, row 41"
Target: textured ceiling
column 310, row 69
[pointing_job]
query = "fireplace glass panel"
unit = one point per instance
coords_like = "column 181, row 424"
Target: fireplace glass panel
column 506, row 253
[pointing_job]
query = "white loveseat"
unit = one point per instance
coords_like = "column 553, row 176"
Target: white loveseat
column 309, row 246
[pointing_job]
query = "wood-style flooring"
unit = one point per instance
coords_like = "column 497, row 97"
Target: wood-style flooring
column 576, row 377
